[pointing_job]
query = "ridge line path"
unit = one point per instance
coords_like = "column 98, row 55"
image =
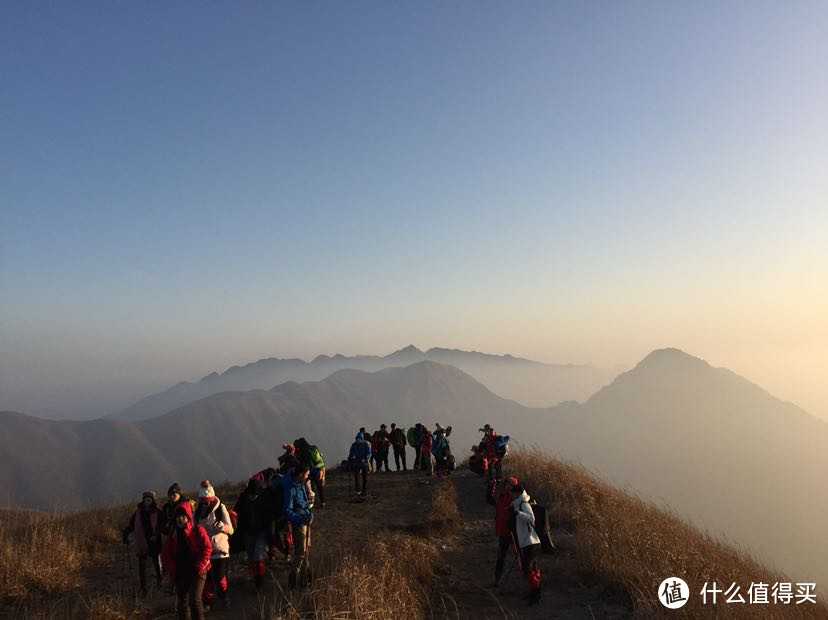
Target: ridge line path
column 463, row 585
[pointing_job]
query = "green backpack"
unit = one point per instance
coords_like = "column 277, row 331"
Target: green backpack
column 316, row 458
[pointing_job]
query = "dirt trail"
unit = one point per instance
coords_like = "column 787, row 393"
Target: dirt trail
column 464, row 584
column 395, row 501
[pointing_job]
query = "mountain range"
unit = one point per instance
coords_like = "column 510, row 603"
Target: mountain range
column 715, row 448
column 531, row 383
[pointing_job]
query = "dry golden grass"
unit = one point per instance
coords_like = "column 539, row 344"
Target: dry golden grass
column 443, row 515
column 633, row 545
column 370, row 584
column 42, row 553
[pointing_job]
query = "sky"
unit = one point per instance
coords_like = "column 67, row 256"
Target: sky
column 188, row 186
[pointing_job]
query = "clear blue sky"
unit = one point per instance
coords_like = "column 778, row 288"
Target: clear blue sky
column 186, row 186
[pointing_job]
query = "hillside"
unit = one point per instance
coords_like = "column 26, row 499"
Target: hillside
column 525, row 381
column 719, row 450
column 442, row 530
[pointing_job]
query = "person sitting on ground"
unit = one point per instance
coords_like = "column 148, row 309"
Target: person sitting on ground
column 358, row 457
column 527, row 540
column 288, row 459
column 214, row 517
column 398, row 441
column 296, row 506
column 503, row 531
column 255, row 518
column 146, row 524
column 426, row 441
column 186, row 554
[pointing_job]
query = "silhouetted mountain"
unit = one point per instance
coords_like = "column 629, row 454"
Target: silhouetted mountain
column 716, row 448
column 530, row 383
column 230, row 435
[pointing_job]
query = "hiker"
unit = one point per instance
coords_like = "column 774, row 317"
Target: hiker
column 186, row 554
column 358, row 457
column 146, row 524
column 526, row 540
column 214, row 517
column 426, row 442
column 503, row 531
column 311, row 457
column 495, row 448
column 174, row 498
column 441, row 449
column 288, row 460
column 380, row 443
column 255, row 517
column 413, row 437
column 297, row 510
column 398, row 441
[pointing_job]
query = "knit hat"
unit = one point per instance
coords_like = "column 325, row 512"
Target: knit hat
column 206, row 490
column 175, row 488
column 150, row 494
column 289, row 447
column 513, row 481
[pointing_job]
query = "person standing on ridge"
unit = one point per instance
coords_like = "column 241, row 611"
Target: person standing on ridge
column 358, row 458
column 526, row 540
column 381, row 442
column 398, row 441
column 426, row 441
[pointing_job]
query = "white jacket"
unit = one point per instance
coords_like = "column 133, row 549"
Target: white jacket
column 218, row 526
column 525, row 522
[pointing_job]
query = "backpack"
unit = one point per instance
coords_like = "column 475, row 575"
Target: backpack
column 478, row 463
column 316, row 458
column 542, row 527
column 234, row 517
column 502, row 445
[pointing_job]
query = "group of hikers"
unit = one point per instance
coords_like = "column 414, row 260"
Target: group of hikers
column 369, row 452
column 192, row 539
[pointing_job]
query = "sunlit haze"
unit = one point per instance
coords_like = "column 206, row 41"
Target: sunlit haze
column 187, row 187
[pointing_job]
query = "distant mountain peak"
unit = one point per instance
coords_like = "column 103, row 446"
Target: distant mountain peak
column 673, row 357
column 406, row 351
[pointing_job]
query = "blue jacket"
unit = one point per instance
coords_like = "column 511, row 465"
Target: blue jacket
column 360, row 451
column 295, row 504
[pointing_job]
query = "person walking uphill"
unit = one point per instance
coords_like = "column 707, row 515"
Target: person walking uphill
column 312, row 458
column 398, row 441
column 186, row 554
column 255, row 517
column 296, row 507
column 214, row 517
column 146, row 524
column 527, row 540
column 358, row 458
column 503, row 530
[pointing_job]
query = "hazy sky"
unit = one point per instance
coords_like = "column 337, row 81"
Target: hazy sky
column 186, row 186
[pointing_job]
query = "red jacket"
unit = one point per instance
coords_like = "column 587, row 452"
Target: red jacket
column 197, row 539
column 503, row 509
column 425, row 441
